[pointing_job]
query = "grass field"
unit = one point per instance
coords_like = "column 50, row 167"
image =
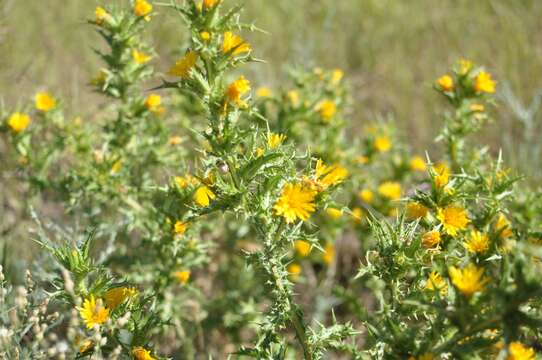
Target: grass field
column 390, row 50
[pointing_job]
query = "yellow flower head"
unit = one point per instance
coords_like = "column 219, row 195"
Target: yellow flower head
column 140, row 57
column 45, row 102
column 209, row 4
column 237, row 89
column 275, row 140
column 175, row 140
column 85, row 346
column 116, row 296
column 453, row 219
column 295, row 202
column 302, row 247
column 140, row 353
column 93, row 312
column 435, row 282
column 183, row 66
column 469, row 280
column 18, row 122
column 182, row 276
column 417, row 163
column 464, row 66
column 337, row 76
column 445, row 83
column 334, row 213
column 382, row 144
column 142, row 8
column 329, row 175
column 477, row 242
column 327, row 109
column 234, row 44
column 153, row 102
column 101, row 15
column 185, row 181
column 263, row 92
column 366, row 196
column 357, row 214
column 503, row 226
column 431, row 239
column 390, row 190
column 416, row 210
column 442, row 175
column 329, row 253
column 477, row 108
column 517, row 351
column 293, row 97
column 362, row 159
column 205, row 35
column 203, row 196
column 180, row 227
column 484, row 83
column 294, row 270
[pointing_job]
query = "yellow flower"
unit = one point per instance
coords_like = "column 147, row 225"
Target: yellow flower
column 484, row 83
column 417, row 163
column 366, row 196
column 153, row 102
column 182, row 276
column 453, row 219
column 85, row 346
column 382, row 144
column 140, row 353
column 477, row 107
column 517, row 351
column 203, row 196
column 101, row 15
column 259, row 152
column 175, row 140
column 329, row 175
column 329, row 253
column 234, row 44
column 205, row 35
column 362, row 159
column 357, row 214
column 295, row 202
column 45, row 102
column 116, row 167
column 416, row 210
column 431, row 239
column 180, row 227
column 116, row 296
column 302, row 247
column 337, row 76
column 18, row 122
column 237, row 89
column 208, row 4
column 327, row 109
column 390, row 189
column 142, row 8
column 446, row 83
column 437, row 283
column 464, row 66
column 503, row 226
column 183, row 66
column 140, row 57
column 274, row 140
column 477, row 242
column 294, row 270
column 185, row 181
column 469, row 280
column 93, row 312
column 334, row 213
column 293, row 96
column 442, row 175
column 263, row 92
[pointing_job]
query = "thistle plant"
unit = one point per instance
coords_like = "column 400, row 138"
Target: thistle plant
column 204, row 219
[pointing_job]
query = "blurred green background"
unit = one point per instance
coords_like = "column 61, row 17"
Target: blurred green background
column 391, row 51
